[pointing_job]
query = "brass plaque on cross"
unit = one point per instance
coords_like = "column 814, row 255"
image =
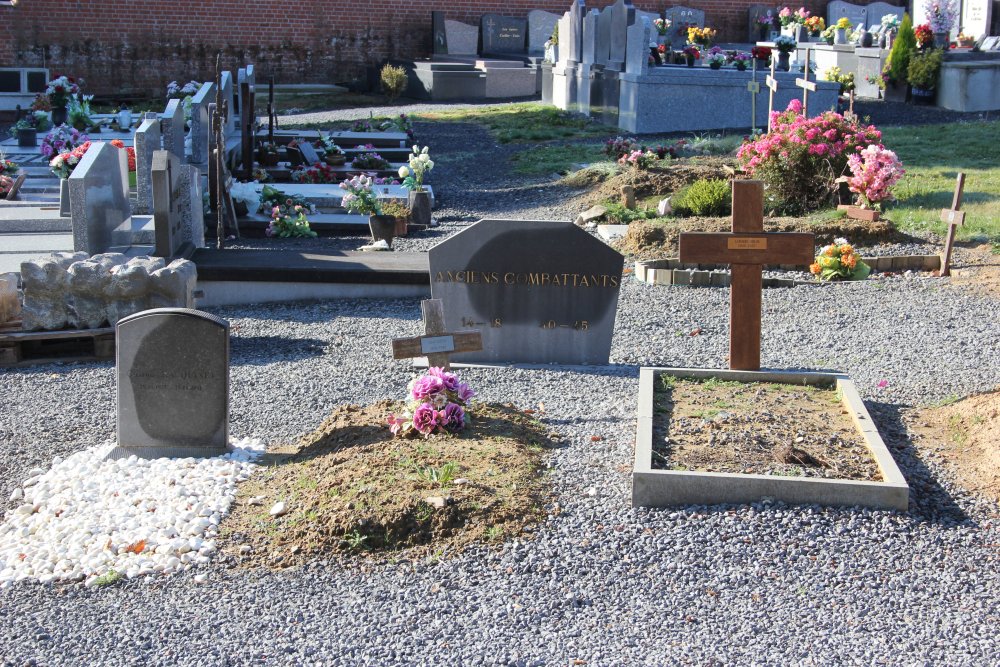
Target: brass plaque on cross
column 738, row 243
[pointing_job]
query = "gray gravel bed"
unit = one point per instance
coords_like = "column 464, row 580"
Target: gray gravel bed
column 599, row 581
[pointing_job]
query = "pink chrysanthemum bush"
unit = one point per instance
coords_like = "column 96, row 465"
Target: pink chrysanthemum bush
column 438, row 403
column 800, row 159
column 874, row 171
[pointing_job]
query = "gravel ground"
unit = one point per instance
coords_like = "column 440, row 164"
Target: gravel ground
column 599, row 582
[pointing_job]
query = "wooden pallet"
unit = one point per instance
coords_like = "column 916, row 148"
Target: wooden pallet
column 26, row 348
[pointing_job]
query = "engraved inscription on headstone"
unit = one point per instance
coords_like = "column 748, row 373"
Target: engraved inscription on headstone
column 540, row 291
column 504, row 34
column 173, row 384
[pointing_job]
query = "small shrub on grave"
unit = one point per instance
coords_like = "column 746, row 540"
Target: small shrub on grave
column 394, row 80
column 704, row 197
column 898, row 62
column 396, row 209
column 846, row 81
column 923, row 70
column 618, row 214
column 838, row 261
column 800, row 159
column 620, row 147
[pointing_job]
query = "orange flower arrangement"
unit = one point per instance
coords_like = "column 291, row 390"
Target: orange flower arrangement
column 838, row 261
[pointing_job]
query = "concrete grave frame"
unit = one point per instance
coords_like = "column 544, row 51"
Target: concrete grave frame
column 664, row 488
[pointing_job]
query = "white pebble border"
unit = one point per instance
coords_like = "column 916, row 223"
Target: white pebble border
column 88, row 516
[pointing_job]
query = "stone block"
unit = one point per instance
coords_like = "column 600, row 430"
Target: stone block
column 661, row 277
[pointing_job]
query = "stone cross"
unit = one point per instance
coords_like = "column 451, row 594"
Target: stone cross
column 436, row 343
column 806, row 85
column 954, row 218
column 772, row 85
column 753, row 87
column 748, row 248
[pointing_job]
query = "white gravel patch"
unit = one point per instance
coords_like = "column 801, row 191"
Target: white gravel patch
column 88, row 516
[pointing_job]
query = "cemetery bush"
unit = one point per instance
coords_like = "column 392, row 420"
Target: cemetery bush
column 712, row 197
column 898, row 63
column 394, row 80
column 619, row 214
column 800, row 158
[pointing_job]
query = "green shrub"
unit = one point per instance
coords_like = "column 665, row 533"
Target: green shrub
column 923, row 69
column 618, row 214
column 705, row 197
column 394, row 80
column 899, row 57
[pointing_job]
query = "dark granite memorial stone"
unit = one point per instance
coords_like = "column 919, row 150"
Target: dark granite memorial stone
column 540, row 291
column 504, row 34
column 10, row 81
column 37, row 82
column 173, row 384
column 438, row 34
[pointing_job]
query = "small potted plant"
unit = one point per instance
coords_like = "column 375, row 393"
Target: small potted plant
column 691, row 53
column 716, row 58
column 941, row 15
column 740, row 60
column 401, row 213
column 267, row 154
column 815, row 25
column 289, row 221
column 840, row 34
column 413, row 180
column 26, row 131
column 370, row 162
column 359, row 197
column 59, row 91
column 922, row 73
column 333, row 154
column 762, row 54
column 785, row 46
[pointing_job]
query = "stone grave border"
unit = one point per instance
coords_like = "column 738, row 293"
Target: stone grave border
column 675, row 272
column 664, row 488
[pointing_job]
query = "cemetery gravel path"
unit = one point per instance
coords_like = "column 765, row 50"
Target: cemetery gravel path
column 599, row 582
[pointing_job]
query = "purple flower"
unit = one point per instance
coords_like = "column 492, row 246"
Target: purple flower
column 453, row 416
column 450, row 380
column 464, row 392
column 425, row 418
column 426, row 385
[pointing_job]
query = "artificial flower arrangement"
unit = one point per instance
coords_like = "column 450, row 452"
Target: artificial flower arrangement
column 800, row 16
column 692, row 52
column 439, row 402
column 289, row 221
column 785, row 43
column 360, row 196
column 701, row 36
column 890, row 22
column 716, row 57
column 36, row 120
column 62, row 139
column 843, row 23
column 941, row 14
column 765, row 21
column 815, row 25
column 316, row 173
column 63, row 164
column 129, row 152
column 874, row 170
column 786, row 17
column 260, row 175
column 662, row 25
column 78, row 112
column 370, row 161
column 179, row 92
column 638, row 159
column 838, row 261
column 420, row 164
column 739, row 59
column 329, row 145
column 8, row 170
column 761, row 52
column 271, row 196
column 6, row 183
column 41, row 103
column 60, row 89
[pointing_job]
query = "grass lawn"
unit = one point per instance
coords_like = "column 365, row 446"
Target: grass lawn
column 932, row 156
column 528, row 121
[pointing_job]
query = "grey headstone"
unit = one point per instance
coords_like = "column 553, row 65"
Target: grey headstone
column 856, row 14
column 228, row 94
column 172, row 127
column 462, row 38
column 309, row 153
column 167, row 197
column 590, row 37
column 622, row 16
column 681, row 18
column 540, row 27
column 565, row 26
column 147, row 141
column 637, row 49
column 438, row 34
column 540, row 292
column 753, row 27
column 199, row 122
column 504, row 34
column 173, row 384
column 574, row 40
column 99, row 204
column 976, row 17
column 602, row 44
column 192, row 206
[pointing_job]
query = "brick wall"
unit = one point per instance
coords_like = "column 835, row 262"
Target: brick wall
column 137, row 47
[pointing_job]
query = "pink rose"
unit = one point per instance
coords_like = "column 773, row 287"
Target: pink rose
column 425, row 418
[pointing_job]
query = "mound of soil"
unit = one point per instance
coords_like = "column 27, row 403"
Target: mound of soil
column 351, row 487
column 658, row 181
column 966, row 436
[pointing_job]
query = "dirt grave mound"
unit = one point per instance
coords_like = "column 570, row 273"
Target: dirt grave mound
column 351, row 487
column 657, row 181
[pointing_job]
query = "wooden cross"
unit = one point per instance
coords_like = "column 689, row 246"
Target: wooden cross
column 753, row 86
column 772, row 85
column 954, row 218
column 850, row 115
column 748, row 248
column 436, row 343
column 806, row 85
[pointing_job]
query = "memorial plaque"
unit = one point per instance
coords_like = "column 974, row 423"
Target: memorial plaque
column 10, row 81
column 173, row 384
column 504, row 34
column 540, row 291
column 38, row 81
column 976, row 17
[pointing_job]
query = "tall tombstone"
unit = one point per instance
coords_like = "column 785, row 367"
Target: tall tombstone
column 622, row 16
column 462, row 38
column 976, row 17
column 838, row 9
column 439, row 36
column 574, row 40
column 99, row 203
column 503, row 34
column 167, row 216
column 248, row 122
column 588, row 54
column 173, row 384
column 172, row 128
column 541, row 292
column 602, row 42
column 682, row 18
column 637, row 47
column 541, row 24
column 226, row 84
column 199, row 122
column 192, row 206
column 754, row 13
column 147, row 141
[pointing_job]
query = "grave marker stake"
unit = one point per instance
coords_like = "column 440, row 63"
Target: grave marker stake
column 772, row 85
column 747, row 249
column 754, row 88
column 954, row 217
column 806, row 85
column 436, row 343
